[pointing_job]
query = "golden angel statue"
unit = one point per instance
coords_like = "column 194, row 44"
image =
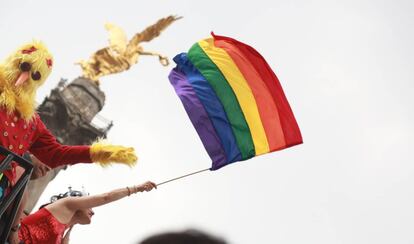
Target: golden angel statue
column 120, row 55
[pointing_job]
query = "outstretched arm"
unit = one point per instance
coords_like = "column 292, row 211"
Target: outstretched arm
column 163, row 59
column 50, row 152
column 65, row 208
column 108, row 197
column 54, row 154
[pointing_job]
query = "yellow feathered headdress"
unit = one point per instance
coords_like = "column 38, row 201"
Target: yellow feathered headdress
column 21, row 74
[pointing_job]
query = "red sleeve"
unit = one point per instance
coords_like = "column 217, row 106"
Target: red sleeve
column 52, row 153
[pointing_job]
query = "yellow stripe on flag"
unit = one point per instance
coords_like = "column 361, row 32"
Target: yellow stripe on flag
column 242, row 90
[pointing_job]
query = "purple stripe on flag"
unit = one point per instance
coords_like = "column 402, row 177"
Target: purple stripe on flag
column 198, row 117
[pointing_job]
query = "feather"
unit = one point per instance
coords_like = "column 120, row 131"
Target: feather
column 105, row 154
column 22, row 98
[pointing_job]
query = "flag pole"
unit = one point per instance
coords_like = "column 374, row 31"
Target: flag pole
column 183, row 176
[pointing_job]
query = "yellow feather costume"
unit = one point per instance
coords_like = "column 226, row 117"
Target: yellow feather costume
column 22, row 98
column 21, row 74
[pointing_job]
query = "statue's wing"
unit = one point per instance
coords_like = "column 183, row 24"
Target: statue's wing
column 152, row 31
column 117, row 38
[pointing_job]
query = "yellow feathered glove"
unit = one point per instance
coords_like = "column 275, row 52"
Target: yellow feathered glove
column 105, row 154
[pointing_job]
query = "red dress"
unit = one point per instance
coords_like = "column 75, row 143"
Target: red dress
column 41, row 228
column 20, row 136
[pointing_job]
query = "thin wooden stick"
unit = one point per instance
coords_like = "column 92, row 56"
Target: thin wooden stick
column 183, row 176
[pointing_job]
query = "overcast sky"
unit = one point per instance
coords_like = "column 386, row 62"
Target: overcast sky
column 347, row 70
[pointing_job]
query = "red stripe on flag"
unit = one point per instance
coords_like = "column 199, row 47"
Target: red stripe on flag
column 267, row 108
column 290, row 127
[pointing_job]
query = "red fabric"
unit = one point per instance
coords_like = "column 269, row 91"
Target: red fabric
column 49, row 62
column 41, row 227
column 54, row 154
column 29, row 51
column 290, row 127
column 20, row 136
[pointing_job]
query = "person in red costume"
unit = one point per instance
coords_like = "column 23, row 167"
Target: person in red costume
column 49, row 223
column 21, row 129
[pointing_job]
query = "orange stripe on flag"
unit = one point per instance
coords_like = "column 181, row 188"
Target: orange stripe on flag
column 267, row 108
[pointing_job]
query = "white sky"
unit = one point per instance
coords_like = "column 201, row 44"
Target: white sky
column 347, row 70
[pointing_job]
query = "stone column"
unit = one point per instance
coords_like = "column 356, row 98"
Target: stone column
column 68, row 113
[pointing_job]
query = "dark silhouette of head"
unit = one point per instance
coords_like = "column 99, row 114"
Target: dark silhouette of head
column 184, row 237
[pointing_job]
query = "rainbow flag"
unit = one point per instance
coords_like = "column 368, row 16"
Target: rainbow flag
column 234, row 100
